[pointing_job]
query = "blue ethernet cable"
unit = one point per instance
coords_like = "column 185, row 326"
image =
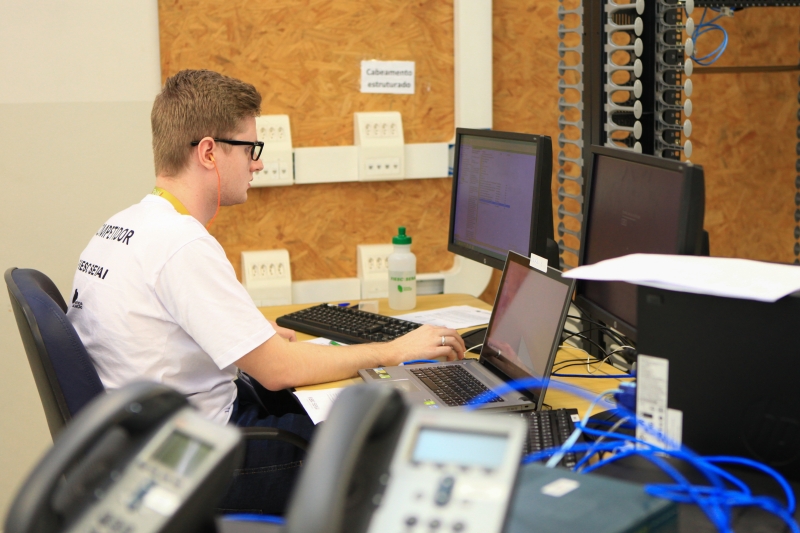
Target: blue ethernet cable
column 603, row 376
column 578, row 447
column 716, row 501
column 717, row 495
column 704, row 27
column 743, row 461
column 264, row 518
column 573, row 438
column 527, row 383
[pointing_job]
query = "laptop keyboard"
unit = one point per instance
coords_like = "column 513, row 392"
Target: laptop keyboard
column 453, row 384
column 548, row 429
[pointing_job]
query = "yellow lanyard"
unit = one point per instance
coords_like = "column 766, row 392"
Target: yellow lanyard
column 166, row 195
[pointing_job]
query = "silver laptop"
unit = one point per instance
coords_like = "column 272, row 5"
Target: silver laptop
column 522, row 339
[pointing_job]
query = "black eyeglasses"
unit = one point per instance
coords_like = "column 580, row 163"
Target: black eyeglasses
column 255, row 146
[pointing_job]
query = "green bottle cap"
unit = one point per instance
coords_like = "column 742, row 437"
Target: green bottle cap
column 401, row 237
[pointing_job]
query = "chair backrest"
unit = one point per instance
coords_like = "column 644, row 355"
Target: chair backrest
column 61, row 367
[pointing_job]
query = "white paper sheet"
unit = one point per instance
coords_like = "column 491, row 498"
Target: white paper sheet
column 718, row 276
column 324, row 342
column 456, row 317
column 317, row 403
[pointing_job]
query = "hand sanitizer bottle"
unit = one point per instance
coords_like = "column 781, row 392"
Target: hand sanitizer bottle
column 402, row 273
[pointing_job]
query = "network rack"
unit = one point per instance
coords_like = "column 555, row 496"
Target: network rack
column 570, row 120
column 741, row 4
column 628, row 78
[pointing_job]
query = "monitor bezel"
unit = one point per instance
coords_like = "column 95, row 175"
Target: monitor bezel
column 542, row 195
column 690, row 229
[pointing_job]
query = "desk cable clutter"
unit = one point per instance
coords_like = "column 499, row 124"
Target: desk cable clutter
column 715, row 499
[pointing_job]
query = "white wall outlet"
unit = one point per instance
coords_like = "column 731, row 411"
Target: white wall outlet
column 267, row 276
column 277, row 155
column 372, row 265
column 380, row 141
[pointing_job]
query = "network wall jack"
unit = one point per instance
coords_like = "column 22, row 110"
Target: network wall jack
column 267, row 276
column 277, row 156
column 372, row 265
column 380, row 141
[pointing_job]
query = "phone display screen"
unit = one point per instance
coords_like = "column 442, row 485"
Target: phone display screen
column 435, row 445
column 181, row 453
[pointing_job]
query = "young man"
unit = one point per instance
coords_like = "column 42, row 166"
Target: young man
column 155, row 297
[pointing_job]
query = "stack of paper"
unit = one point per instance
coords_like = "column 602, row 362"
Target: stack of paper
column 717, row 276
column 456, row 317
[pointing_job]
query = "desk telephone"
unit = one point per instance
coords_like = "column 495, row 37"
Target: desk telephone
column 137, row 460
column 140, row 460
column 378, row 465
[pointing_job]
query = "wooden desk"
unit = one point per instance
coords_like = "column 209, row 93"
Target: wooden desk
column 553, row 397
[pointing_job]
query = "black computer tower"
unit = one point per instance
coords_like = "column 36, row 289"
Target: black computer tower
column 734, row 371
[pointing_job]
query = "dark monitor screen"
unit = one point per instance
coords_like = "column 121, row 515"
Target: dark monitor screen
column 501, row 195
column 635, row 204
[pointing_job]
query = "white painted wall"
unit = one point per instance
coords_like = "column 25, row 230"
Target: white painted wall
column 77, row 82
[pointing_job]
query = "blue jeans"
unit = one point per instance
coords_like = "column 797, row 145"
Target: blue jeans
column 265, row 481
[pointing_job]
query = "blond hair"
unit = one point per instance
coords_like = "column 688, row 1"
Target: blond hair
column 194, row 104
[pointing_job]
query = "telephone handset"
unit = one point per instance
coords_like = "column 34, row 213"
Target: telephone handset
column 379, row 465
column 137, row 459
column 345, row 463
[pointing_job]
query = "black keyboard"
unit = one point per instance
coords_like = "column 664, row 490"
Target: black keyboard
column 346, row 324
column 548, row 429
column 453, row 384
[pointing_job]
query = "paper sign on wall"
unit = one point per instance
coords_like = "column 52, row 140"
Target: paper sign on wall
column 387, row 77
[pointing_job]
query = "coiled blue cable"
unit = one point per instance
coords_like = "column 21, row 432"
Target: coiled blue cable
column 716, row 501
column 704, row 27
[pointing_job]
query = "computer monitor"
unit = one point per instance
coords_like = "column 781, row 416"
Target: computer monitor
column 501, row 196
column 635, row 203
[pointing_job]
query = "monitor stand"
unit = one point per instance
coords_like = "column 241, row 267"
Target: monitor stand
column 552, row 254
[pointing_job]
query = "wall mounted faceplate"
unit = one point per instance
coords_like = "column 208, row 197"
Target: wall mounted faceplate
column 275, row 132
column 372, row 265
column 380, row 141
column 267, row 276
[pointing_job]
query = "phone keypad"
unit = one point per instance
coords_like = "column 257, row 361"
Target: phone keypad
column 108, row 523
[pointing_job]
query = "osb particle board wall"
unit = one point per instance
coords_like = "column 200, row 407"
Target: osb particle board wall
column 744, row 135
column 304, row 57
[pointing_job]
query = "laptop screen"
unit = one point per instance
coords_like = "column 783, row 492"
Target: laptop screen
column 529, row 311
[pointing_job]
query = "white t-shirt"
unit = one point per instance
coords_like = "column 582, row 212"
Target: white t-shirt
column 155, row 297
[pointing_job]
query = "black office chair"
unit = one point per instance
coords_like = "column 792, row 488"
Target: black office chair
column 62, row 369
column 64, row 374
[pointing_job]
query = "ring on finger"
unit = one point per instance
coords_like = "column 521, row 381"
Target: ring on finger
column 443, row 343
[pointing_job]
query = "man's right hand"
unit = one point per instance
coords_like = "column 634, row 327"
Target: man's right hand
column 278, row 364
column 424, row 342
